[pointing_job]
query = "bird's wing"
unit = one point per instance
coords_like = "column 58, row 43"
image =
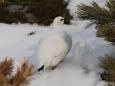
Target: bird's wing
column 46, row 50
column 63, row 44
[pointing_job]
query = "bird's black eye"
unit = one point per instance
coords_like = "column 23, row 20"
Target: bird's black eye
column 62, row 19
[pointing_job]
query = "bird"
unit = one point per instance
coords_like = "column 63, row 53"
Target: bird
column 53, row 46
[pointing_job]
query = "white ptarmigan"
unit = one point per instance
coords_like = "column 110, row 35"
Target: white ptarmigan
column 53, row 46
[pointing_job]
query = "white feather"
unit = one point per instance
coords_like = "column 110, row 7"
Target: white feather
column 54, row 45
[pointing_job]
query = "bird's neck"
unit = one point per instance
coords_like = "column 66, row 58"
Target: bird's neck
column 57, row 26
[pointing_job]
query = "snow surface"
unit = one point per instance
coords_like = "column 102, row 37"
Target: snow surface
column 80, row 66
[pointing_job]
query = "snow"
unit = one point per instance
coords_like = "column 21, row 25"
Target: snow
column 79, row 68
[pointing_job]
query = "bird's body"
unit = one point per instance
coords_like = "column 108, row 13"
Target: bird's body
column 53, row 46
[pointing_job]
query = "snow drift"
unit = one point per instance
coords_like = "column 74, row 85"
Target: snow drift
column 79, row 67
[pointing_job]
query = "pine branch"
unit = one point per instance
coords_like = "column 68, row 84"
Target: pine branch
column 97, row 14
column 107, row 31
column 111, row 6
column 6, row 67
column 108, row 64
column 22, row 77
column 23, row 74
column 104, row 19
column 4, row 81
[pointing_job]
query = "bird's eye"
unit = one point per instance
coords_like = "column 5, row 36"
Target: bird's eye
column 62, row 19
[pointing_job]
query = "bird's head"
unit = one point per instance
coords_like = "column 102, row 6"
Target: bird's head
column 58, row 22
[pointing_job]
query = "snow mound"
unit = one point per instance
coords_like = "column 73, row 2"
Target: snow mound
column 78, row 68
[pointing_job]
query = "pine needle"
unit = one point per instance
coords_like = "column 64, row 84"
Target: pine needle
column 108, row 64
column 103, row 18
column 6, row 67
column 23, row 75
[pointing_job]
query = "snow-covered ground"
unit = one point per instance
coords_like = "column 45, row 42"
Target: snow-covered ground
column 80, row 66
